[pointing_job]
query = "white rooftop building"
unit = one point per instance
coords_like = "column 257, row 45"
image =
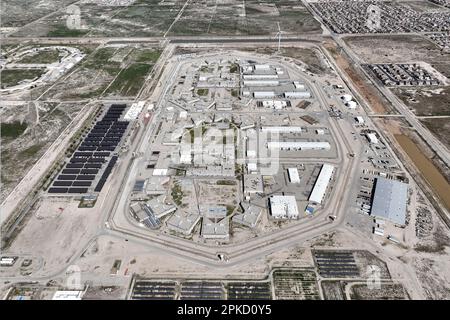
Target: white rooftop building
column 261, row 83
column 299, row 86
column 293, row 175
column 320, row 131
column 275, row 104
column 351, row 104
column 321, row 185
column 134, row 111
column 160, row 172
column 372, row 138
column 359, row 120
column 259, row 67
column 298, row 145
column 297, row 94
column 264, row 94
column 283, row 207
column 284, row 129
column 259, row 76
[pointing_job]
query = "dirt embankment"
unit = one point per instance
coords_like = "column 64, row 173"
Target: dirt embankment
column 367, row 91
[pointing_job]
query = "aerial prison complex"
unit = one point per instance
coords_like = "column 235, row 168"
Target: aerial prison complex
column 205, row 173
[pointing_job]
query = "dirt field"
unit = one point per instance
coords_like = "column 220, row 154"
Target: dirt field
column 426, row 101
column 396, row 49
column 440, row 127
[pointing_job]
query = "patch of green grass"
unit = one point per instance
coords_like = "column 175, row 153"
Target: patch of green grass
column 63, row 31
column 30, row 152
column 12, row 77
column 45, row 56
column 234, row 68
column 130, row 80
column 230, row 209
column 148, row 56
column 226, row 183
column 177, row 194
column 202, row 92
column 13, row 129
column 100, row 61
column 205, row 69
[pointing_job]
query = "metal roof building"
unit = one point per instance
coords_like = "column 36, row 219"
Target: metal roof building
column 293, row 175
column 372, row 138
column 264, row 94
column 183, row 222
column 283, row 207
column 321, row 184
column 282, row 129
column 259, row 83
column 298, row 145
column 389, row 201
column 297, row 94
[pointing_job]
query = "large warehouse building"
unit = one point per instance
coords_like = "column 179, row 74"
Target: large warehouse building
column 321, row 185
column 389, row 201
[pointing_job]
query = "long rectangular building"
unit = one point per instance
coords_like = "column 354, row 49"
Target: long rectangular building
column 298, row 145
column 321, row 185
column 261, row 83
column 282, row 129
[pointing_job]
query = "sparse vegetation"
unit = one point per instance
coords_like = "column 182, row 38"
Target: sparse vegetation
column 130, row 80
column 177, row 194
column 202, row 92
column 63, row 31
column 44, row 56
column 13, row 129
column 12, row 77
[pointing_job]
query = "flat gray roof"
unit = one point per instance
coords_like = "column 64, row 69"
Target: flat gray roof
column 389, row 201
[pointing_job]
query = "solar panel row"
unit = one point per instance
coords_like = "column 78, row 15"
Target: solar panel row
column 67, row 190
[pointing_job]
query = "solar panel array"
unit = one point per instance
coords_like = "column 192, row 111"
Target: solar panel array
column 81, row 171
column 336, row 264
column 249, row 291
column 201, row 290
